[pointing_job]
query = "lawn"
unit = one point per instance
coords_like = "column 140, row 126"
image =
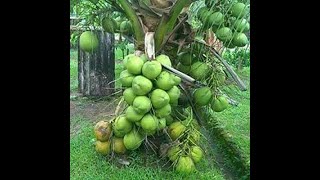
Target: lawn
column 236, row 120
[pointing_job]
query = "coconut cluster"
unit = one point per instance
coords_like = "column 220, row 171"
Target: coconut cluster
column 150, row 92
column 229, row 26
column 154, row 105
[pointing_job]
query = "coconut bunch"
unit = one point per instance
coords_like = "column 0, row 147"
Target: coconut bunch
column 155, row 107
column 184, row 138
column 206, row 70
column 117, row 25
column 149, row 94
column 227, row 20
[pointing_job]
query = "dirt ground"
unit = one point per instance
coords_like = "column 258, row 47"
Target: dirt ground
column 92, row 109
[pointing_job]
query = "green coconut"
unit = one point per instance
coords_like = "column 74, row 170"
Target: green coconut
column 164, row 59
column 239, row 10
column 196, row 153
column 121, row 126
column 149, row 124
column 126, row 78
column 118, row 145
column 242, row 25
column 142, row 104
column 169, row 120
column 185, row 58
column 185, row 165
column 132, row 115
column 183, row 68
column 118, row 133
column 173, row 152
column 125, row 60
column 205, row 18
column 174, row 94
column 103, row 147
column 162, row 124
column 202, row 96
column 118, row 21
column 164, row 81
column 129, row 96
column 201, row 11
column 125, row 27
column 176, row 129
column 176, row 79
column 199, row 70
column 141, row 85
column 240, row 40
column 159, row 98
column 164, row 111
column 132, row 140
column 151, row 69
column 88, row 41
column 134, row 65
column 224, row 34
column 215, row 19
column 109, row 25
column 219, row 104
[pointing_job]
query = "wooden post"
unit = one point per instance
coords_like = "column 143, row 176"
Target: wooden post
column 96, row 70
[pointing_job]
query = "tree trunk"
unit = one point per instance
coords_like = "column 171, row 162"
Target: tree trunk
column 96, row 70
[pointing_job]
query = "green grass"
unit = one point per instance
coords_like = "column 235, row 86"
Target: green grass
column 85, row 163
column 236, row 119
column 231, row 128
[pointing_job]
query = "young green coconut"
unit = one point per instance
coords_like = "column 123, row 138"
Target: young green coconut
column 149, row 124
column 132, row 140
column 141, row 104
column 121, row 126
column 202, row 96
column 126, row 78
column 159, row 98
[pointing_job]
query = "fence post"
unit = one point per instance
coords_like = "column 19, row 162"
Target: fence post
column 96, row 70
